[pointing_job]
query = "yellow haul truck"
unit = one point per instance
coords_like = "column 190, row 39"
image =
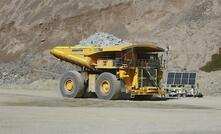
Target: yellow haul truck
column 133, row 69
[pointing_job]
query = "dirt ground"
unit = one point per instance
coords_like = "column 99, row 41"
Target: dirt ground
column 45, row 111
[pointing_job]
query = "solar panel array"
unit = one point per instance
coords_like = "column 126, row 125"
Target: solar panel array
column 174, row 78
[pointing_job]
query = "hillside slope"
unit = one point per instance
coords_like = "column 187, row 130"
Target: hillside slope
column 30, row 28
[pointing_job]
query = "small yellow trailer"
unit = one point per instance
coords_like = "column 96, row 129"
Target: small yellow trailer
column 134, row 69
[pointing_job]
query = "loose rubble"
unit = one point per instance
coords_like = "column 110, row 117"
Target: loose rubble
column 22, row 71
column 101, row 39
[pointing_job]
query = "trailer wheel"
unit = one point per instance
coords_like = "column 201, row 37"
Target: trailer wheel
column 72, row 84
column 107, row 86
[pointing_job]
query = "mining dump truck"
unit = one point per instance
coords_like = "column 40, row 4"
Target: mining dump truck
column 109, row 72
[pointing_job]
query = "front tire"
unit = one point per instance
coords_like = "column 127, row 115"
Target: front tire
column 72, row 84
column 108, row 87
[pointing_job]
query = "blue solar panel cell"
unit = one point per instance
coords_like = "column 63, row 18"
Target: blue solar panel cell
column 193, row 75
column 191, row 81
column 178, row 75
column 177, row 81
column 184, row 81
column 169, row 81
column 171, row 75
column 185, row 75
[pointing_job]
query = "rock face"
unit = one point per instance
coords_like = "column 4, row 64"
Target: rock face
column 29, row 29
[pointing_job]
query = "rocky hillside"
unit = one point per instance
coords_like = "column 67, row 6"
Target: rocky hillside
column 30, row 28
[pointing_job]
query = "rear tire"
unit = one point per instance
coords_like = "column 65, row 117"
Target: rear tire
column 72, row 84
column 108, row 87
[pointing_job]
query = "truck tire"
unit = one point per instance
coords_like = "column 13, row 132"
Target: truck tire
column 72, row 84
column 108, row 87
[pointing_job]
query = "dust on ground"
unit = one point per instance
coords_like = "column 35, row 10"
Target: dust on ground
column 26, row 110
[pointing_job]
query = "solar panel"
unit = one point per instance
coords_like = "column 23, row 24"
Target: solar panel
column 178, row 78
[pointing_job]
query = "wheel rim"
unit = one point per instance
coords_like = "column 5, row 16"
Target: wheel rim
column 69, row 85
column 105, row 87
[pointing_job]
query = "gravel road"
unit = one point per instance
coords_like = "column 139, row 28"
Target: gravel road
column 46, row 112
